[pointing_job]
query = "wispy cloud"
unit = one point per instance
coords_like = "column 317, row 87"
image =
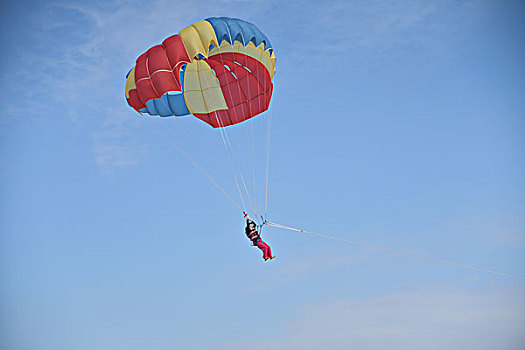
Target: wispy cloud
column 371, row 33
column 114, row 145
column 76, row 56
column 432, row 318
column 301, row 269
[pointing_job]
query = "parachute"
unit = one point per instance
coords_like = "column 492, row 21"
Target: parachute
column 219, row 69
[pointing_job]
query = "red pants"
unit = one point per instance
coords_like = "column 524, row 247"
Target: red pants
column 267, row 252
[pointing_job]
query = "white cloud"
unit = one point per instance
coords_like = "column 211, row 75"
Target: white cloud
column 115, row 145
column 372, row 33
column 432, row 318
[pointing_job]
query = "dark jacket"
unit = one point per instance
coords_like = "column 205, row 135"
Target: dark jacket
column 253, row 235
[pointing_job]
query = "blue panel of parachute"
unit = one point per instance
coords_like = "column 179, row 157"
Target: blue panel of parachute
column 170, row 104
column 233, row 29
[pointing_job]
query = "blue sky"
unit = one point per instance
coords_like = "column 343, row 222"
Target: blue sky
column 396, row 123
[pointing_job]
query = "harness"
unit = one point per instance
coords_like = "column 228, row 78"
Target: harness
column 253, row 235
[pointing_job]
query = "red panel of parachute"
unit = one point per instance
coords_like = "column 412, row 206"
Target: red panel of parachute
column 134, row 100
column 246, row 85
column 157, row 71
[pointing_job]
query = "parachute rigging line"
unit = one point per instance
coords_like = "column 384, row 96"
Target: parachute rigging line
column 199, row 168
column 194, row 163
column 221, row 127
column 231, row 165
column 226, row 139
column 394, row 251
column 254, row 207
column 268, row 140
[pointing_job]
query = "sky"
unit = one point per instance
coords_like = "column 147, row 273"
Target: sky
column 394, row 123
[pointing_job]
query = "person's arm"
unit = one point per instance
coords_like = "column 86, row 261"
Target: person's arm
column 248, row 221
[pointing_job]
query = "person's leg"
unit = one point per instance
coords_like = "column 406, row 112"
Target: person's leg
column 269, row 251
column 264, row 247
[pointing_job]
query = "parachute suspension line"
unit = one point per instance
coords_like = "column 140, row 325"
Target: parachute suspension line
column 199, row 168
column 239, row 169
column 220, row 126
column 268, row 140
column 253, row 140
column 182, row 127
column 228, row 146
column 254, row 174
column 264, row 88
column 398, row 252
column 254, row 203
column 268, row 131
column 231, row 165
column 166, row 104
column 226, row 139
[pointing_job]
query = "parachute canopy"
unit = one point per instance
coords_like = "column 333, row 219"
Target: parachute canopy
column 219, row 69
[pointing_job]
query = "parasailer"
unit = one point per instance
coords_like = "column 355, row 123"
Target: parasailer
column 254, row 236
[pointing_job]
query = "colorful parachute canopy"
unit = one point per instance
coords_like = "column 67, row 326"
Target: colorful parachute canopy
column 219, row 69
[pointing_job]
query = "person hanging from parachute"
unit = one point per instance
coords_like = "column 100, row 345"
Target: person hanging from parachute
column 254, row 236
